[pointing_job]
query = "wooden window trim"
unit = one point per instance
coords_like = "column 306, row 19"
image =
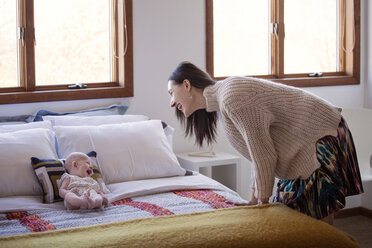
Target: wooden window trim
column 122, row 85
column 349, row 62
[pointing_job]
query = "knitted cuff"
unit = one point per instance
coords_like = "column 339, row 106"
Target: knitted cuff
column 264, row 191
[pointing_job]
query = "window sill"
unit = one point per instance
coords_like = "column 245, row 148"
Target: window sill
column 310, row 81
column 318, row 81
column 65, row 95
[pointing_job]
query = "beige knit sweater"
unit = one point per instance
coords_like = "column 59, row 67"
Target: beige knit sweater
column 273, row 125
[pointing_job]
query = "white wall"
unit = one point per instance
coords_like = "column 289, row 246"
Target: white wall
column 367, row 51
column 169, row 31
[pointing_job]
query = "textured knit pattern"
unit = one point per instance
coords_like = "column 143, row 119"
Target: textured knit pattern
column 162, row 204
column 273, row 125
column 148, row 207
column 16, row 215
column 262, row 226
column 48, row 171
column 324, row 192
column 32, row 222
column 207, row 196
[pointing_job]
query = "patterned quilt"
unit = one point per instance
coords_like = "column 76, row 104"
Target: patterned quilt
column 169, row 203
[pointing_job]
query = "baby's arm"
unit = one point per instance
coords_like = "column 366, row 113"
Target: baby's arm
column 63, row 188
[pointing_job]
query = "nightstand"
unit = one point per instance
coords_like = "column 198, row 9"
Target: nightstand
column 222, row 167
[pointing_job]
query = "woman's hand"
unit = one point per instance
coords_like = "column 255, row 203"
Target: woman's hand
column 263, row 201
column 254, row 200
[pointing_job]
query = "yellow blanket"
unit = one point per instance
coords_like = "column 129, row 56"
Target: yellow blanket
column 270, row 225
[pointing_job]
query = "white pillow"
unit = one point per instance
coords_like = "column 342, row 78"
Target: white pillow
column 127, row 151
column 17, row 176
column 168, row 131
column 24, row 126
column 69, row 120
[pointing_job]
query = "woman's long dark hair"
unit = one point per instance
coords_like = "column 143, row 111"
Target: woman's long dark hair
column 201, row 123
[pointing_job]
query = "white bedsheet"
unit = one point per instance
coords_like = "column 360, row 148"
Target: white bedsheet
column 125, row 190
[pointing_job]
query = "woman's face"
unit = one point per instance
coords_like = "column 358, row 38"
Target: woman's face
column 180, row 96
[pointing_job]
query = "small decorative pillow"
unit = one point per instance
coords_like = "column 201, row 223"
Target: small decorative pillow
column 50, row 171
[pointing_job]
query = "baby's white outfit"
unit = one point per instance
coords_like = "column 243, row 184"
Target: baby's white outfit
column 83, row 184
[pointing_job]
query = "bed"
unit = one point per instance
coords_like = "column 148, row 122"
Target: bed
column 154, row 202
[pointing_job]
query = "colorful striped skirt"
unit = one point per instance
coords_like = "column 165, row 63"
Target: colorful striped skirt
column 324, row 192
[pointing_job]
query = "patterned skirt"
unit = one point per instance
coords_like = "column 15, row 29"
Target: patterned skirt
column 324, row 192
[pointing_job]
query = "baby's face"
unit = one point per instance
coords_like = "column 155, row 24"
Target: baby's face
column 84, row 167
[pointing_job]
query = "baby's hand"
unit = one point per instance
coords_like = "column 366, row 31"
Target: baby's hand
column 75, row 190
column 88, row 192
column 104, row 201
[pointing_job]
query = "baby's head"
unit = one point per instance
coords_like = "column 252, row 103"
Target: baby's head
column 79, row 164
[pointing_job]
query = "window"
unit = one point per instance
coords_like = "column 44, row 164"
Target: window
column 53, row 50
column 296, row 42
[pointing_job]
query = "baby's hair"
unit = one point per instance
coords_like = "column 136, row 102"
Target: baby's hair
column 73, row 157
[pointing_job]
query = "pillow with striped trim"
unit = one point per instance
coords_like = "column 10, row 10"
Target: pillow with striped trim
column 50, row 171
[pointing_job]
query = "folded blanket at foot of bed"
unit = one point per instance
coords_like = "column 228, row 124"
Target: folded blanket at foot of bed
column 269, row 225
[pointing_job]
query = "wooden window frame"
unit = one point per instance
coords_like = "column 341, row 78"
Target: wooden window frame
column 122, row 75
column 349, row 62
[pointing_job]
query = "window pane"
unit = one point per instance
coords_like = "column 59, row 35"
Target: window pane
column 72, row 41
column 311, row 31
column 241, row 37
column 8, row 44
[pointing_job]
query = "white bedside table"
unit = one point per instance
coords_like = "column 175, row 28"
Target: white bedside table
column 222, row 167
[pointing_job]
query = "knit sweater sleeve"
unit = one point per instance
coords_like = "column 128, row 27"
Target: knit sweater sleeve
column 253, row 178
column 254, row 127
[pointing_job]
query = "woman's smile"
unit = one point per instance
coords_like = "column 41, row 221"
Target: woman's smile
column 179, row 106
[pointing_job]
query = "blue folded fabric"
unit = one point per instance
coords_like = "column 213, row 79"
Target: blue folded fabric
column 17, row 118
column 115, row 109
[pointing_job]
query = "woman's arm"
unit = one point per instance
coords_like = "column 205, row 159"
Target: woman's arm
column 254, row 127
column 253, row 200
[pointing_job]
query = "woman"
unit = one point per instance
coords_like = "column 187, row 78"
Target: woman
column 284, row 131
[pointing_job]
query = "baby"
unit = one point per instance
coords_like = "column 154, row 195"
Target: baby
column 78, row 188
